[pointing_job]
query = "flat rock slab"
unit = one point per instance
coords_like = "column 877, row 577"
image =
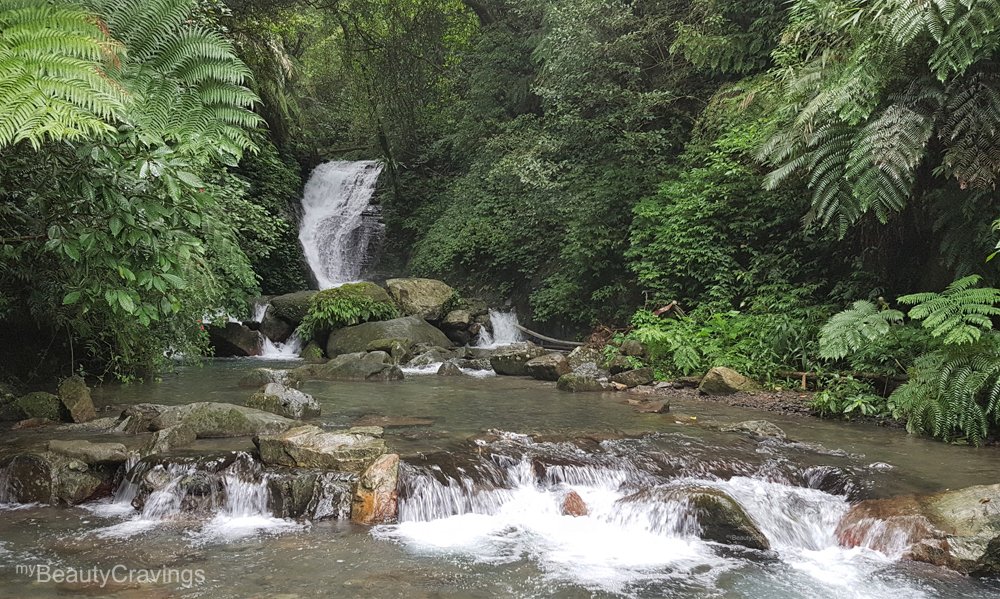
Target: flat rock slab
column 90, row 453
column 349, row 450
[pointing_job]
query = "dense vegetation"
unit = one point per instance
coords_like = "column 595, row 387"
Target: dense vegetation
column 763, row 164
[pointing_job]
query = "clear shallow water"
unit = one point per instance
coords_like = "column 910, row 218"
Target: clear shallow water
column 500, row 533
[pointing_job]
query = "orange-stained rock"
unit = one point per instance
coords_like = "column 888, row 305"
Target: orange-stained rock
column 375, row 496
column 573, row 505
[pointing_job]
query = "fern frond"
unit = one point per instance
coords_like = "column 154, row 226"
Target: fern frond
column 960, row 314
column 848, row 331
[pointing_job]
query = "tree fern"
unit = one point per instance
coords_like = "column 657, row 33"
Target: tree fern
column 52, row 80
column 848, row 331
column 960, row 314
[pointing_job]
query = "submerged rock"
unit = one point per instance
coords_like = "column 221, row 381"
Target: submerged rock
column 350, row 450
column 361, row 366
column 548, row 367
column 75, row 397
column 957, row 529
column 375, row 499
column 284, row 401
column 512, row 359
column 425, row 298
column 235, row 339
column 634, row 378
column 760, row 429
column 356, row 338
column 392, row 421
column 724, row 381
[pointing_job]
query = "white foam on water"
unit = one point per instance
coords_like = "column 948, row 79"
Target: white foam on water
column 433, row 368
column 289, row 350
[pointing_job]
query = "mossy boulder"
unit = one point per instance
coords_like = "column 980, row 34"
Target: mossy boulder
column 426, row 298
column 634, row 378
column 548, row 367
column 291, row 307
column 512, row 360
column 360, row 366
column 350, row 450
column 75, row 397
column 357, row 338
column 579, row 382
column 258, row 377
column 40, row 404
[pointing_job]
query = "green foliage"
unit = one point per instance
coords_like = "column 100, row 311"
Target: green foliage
column 343, row 306
column 851, row 330
column 120, row 239
column 960, row 314
column 846, row 397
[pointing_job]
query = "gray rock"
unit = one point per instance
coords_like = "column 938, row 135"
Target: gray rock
column 425, row 298
column 450, row 368
column 579, row 382
column 548, row 367
column 583, row 355
column 235, row 339
column 90, row 453
column 633, row 348
column 356, row 338
column 724, row 381
column 434, row 355
column 350, row 450
column 512, row 359
column 361, row 366
column 284, row 401
column 204, row 420
column 398, row 349
column 274, row 328
column 313, row 495
column 258, row 377
column 53, row 478
column 457, row 319
column 634, row 378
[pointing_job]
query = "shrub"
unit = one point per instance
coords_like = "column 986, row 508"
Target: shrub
column 346, row 305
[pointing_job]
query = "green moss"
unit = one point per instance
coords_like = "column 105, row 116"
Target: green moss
column 346, row 305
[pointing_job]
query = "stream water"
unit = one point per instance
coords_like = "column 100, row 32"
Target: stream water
column 486, row 465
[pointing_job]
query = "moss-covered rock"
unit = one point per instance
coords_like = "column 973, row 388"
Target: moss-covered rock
column 426, row 298
column 724, row 381
column 357, row 338
column 291, row 307
column 512, row 360
column 284, row 401
column 40, row 404
column 360, row 366
column 349, row 450
column 75, row 397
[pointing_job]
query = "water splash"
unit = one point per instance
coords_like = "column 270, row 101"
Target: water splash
column 505, row 331
column 289, row 350
column 337, row 229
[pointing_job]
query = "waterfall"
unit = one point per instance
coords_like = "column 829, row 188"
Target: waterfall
column 337, row 228
column 260, row 310
column 505, row 331
column 289, row 350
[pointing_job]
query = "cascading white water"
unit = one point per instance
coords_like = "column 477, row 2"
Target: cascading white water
column 334, row 233
column 260, row 310
column 505, row 331
column 289, row 350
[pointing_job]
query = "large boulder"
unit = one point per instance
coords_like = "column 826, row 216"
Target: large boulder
column 202, row 420
column 957, row 529
column 580, row 382
column 724, row 381
column 310, row 494
column 53, row 478
column 450, row 368
column 235, row 340
column 375, row 496
column 361, row 366
column 40, row 405
column 717, row 516
column 350, row 450
column 75, row 398
column 274, row 328
column 634, row 378
column 284, row 401
column 357, row 338
column 548, row 367
column 584, row 355
column 512, row 359
column 398, row 349
column 291, row 307
column 425, row 298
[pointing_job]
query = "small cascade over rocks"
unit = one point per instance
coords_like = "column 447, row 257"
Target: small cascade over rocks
column 339, row 226
column 642, row 511
column 505, row 331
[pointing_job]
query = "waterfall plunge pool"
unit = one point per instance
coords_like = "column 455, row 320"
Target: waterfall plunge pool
column 486, row 466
